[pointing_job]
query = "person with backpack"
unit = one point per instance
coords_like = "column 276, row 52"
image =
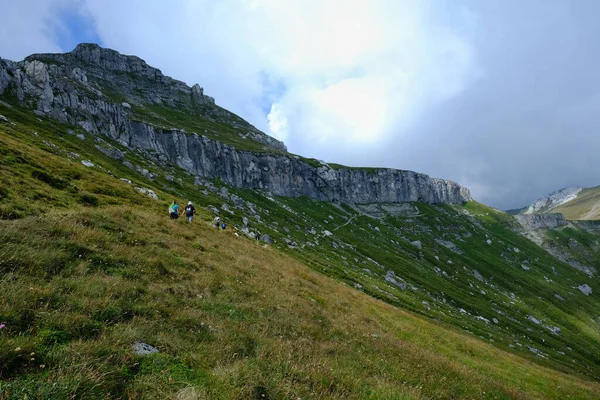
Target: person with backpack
column 223, row 226
column 174, row 210
column 217, row 222
column 190, row 210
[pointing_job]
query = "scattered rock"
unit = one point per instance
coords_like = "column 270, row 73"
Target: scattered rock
column 534, row 319
column 245, row 221
column 290, row 243
column 150, row 193
column 525, row 267
column 558, row 296
column 126, row 181
column 417, row 244
column 585, row 289
column 111, row 152
column 3, row 119
column 87, row 163
column 488, row 241
column 495, row 320
column 214, row 209
column 144, row 172
column 554, row 329
column 126, row 105
column 143, row 349
column 478, row 276
column 80, row 136
column 169, row 178
column 266, row 238
column 327, row 233
column 226, row 208
column 395, row 280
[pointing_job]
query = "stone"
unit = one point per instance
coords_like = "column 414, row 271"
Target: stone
column 127, row 181
column 80, row 136
column 245, row 221
column 266, row 238
column 126, row 105
column 143, row 349
column 417, row 244
column 395, row 280
column 169, row 178
column 111, row 152
column 327, row 233
column 144, row 172
column 87, row 163
column 554, row 329
column 214, row 209
column 533, row 319
column 585, row 289
column 290, row 243
column 541, row 221
column 3, row 119
column 148, row 192
column 525, row 267
column 478, row 276
column 488, row 241
column 225, row 207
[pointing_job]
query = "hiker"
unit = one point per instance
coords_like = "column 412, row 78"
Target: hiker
column 217, row 222
column 223, row 226
column 190, row 210
column 174, row 210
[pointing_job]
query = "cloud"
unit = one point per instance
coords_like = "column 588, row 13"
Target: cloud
column 28, row 27
column 351, row 70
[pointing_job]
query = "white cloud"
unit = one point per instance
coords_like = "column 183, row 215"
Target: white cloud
column 30, row 26
column 355, row 70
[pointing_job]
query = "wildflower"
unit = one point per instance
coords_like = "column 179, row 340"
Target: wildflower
column 2, row 326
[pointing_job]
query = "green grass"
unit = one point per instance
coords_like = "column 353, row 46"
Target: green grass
column 89, row 266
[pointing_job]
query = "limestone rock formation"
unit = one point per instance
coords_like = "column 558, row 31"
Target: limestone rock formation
column 99, row 90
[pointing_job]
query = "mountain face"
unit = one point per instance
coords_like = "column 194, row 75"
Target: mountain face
column 124, row 99
column 553, row 200
column 573, row 203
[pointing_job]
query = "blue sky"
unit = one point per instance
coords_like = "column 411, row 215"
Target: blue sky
column 77, row 28
column 501, row 96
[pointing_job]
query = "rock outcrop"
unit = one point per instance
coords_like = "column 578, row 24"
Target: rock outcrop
column 541, row 221
column 98, row 90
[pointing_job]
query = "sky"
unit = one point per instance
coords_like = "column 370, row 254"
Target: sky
column 501, row 96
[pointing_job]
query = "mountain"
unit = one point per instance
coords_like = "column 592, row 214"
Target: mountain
column 573, row 203
column 128, row 101
column 363, row 283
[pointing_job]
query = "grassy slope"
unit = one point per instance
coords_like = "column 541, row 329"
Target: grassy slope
column 89, row 266
column 585, row 207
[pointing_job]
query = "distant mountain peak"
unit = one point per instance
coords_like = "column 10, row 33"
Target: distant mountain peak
column 553, row 200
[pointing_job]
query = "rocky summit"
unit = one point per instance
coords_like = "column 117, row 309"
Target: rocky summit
column 125, row 99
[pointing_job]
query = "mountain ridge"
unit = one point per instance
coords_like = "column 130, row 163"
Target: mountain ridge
column 94, row 103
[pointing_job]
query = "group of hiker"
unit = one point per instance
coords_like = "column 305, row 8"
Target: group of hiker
column 190, row 210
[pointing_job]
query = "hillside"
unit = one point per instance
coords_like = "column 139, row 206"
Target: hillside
column 437, row 298
column 574, row 204
column 586, row 206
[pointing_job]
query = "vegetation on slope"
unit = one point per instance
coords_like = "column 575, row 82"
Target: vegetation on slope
column 89, row 266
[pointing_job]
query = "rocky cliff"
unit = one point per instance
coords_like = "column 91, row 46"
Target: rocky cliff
column 105, row 92
column 553, row 200
column 541, row 221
